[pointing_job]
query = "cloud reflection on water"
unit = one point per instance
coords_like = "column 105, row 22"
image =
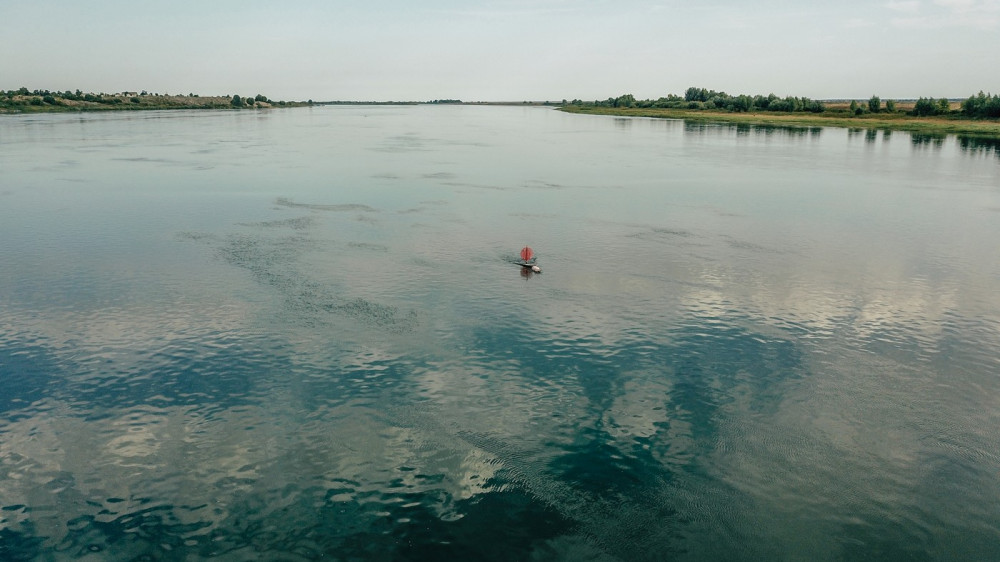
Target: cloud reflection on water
column 692, row 393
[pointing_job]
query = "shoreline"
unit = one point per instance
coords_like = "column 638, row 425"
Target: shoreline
column 986, row 129
column 21, row 103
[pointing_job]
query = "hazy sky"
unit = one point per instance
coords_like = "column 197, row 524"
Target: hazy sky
column 503, row 50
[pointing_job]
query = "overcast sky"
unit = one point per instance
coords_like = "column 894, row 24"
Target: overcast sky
column 509, row 50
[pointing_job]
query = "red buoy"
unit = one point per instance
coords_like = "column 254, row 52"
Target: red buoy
column 527, row 253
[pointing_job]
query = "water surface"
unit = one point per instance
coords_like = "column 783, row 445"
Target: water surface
column 298, row 334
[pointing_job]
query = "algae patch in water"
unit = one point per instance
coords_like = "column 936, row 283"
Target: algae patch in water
column 285, row 202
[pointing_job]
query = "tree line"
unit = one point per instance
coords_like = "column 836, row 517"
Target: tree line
column 702, row 98
column 980, row 106
column 45, row 100
column 248, row 101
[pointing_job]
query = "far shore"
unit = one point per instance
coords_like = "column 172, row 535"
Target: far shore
column 899, row 121
column 22, row 102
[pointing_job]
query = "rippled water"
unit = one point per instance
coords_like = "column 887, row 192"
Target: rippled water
column 299, row 334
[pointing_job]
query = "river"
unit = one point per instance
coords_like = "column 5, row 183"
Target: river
column 300, row 334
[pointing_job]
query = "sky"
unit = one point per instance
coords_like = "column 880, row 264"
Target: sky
column 506, row 50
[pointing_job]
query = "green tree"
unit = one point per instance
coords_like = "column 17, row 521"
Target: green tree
column 890, row 106
column 854, row 106
column 874, row 104
column 925, row 106
column 815, row 106
column 627, row 100
column 237, row 101
column 982, row 105
column 944, row 106
column 742, row 103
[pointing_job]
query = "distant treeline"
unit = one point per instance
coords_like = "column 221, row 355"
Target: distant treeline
column 978, row 106
column 701, row 98
column 362, row 102
column 237, row 101
column 23, row 99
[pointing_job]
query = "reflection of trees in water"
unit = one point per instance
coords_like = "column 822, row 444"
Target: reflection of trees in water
column 925, row 140
column 979, row 145
column 745, row 129
column 870, row 135
column 623, row 123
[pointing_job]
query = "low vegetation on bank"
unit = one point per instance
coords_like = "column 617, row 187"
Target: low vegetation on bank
column 37, row 101
column 978, row 115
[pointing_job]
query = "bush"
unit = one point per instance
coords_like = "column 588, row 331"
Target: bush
column 49, row 100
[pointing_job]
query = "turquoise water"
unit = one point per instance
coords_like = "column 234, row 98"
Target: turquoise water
column 299, row 335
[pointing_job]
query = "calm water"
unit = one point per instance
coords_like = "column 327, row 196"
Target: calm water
column 298, row 334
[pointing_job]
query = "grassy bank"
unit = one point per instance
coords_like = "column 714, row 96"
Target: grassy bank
column 22, row 101
column 891, row 121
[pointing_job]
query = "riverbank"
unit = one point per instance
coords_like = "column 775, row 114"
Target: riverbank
column 891, row 121
column 54, row 102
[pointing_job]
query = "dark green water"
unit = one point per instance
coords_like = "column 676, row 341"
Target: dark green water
column 298, row 335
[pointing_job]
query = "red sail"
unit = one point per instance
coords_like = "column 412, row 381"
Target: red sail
column 527, row 253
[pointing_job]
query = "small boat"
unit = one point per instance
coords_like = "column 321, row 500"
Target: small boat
column 528, row 260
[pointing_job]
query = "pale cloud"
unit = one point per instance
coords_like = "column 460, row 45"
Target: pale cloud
column 976, row 14
column 959, row 5
column 904, row 6
column 858, row 23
